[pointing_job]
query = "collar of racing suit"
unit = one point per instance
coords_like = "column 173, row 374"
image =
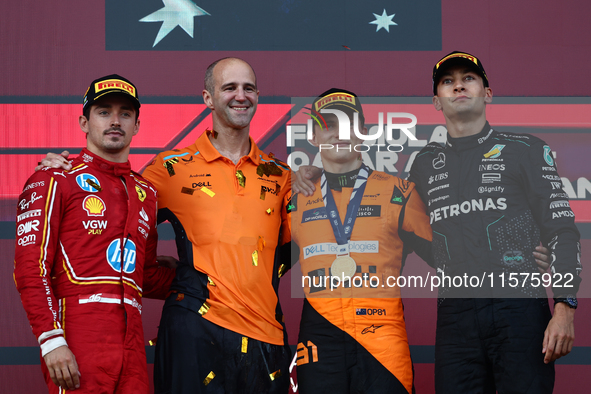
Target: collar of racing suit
column 103, row 165
column 338, row 181
column 472, row 141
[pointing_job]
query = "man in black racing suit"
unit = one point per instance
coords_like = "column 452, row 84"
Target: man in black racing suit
column 492, row 197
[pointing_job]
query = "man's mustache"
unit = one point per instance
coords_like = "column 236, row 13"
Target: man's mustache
column 114, row 129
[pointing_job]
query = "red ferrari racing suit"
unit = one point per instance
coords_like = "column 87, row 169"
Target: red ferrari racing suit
column 82, row 239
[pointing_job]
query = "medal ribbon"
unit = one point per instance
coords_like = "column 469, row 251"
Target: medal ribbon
column 342, row 233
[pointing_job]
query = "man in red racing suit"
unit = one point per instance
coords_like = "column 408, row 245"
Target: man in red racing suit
column 83, row 237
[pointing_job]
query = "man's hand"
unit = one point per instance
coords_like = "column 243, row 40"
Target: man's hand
column 63, row 368
column 542, row 256
column 167, row 261
column 54, row 160
column 560, row 333
column 303, row 180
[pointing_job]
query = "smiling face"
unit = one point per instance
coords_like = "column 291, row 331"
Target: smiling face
column 461, row 93
column 110, row 126
column 234, row 98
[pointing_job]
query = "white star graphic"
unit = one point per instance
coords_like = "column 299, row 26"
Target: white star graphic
column 383, row 21
column 175, row 13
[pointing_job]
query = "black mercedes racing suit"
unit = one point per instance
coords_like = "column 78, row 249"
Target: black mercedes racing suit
column 492, row 198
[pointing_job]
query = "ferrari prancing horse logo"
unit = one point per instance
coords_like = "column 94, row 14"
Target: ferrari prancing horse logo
column 141, row 194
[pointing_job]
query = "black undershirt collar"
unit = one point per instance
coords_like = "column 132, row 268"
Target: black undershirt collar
column 338, row 181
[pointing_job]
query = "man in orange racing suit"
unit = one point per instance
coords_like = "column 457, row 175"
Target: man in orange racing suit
column 358, row 224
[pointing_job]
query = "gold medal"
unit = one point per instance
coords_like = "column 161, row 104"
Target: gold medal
column 343, row 266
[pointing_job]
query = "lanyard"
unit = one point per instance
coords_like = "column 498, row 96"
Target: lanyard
column 342, row 232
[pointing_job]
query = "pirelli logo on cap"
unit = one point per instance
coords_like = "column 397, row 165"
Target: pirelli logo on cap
column 332, row 98
column 114, row 84
column 464, row 55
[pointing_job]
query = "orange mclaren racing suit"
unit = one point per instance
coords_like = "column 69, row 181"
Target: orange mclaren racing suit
column 353, row 336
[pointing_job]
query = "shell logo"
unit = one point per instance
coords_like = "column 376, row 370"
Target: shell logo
column 94, row 206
